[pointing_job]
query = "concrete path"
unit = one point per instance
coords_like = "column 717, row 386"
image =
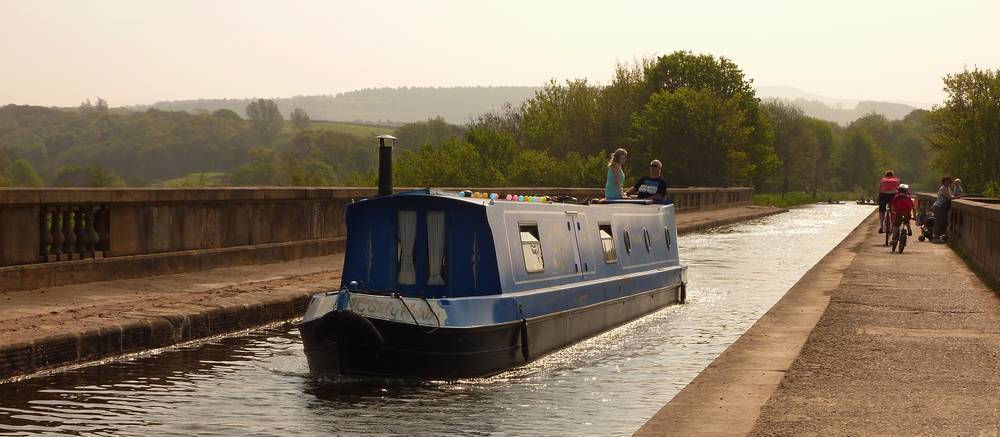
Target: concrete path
column 54, row 326
column 866, row 343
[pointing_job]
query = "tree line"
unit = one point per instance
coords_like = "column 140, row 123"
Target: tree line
column 697, row 113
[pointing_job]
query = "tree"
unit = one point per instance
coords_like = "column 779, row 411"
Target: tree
column 227, row 114
column 532, row 168
column 817, row 168
column 965, row 133
column 434, row 131
column 619, row 100
column 20, row 173
column 497, row 148
column 699, row 136
column 724, row 79
column 791, row 142
column 858, row 168
column 562, row 118
column 101, row 106
column 264, row 168
column 266, row 120
column 300, row 119
column 455, row 163
column 89, row 176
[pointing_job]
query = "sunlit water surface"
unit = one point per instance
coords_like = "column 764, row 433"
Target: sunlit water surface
column 259, row 384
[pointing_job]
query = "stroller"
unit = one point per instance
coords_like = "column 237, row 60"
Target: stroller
column 926, row 222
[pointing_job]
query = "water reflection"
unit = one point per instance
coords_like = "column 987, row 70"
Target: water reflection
column 258, row 384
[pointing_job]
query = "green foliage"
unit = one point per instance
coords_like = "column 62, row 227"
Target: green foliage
column 263, row 168
column 300, row 119
column 992, row 189
column 434, row 132
column 722, row 78
column 266, row 120
column 496, row 147
column 20, row 173
column 193, row 180
column 563, row 118
column 453, row 163
column 227, row 114
column 966, row 130
column 531, row 168
column 86, row 176
column 482, row 160
column 858, row 168
column 311, row 173
column 358, row 130
column 698, row 135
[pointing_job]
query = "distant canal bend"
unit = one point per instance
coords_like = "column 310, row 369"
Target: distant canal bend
column 258, row 384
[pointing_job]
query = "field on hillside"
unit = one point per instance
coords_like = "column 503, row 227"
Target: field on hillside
column 356, row 129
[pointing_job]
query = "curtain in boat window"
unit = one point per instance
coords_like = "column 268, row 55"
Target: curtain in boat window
column 435, row 247
column 406, row 237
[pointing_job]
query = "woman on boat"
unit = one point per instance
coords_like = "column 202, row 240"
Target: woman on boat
column 613, row 188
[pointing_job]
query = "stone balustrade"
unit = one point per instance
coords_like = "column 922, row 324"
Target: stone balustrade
column 52, row 237
column 974, row 232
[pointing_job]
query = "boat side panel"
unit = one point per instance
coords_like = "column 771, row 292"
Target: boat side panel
column 556, row 228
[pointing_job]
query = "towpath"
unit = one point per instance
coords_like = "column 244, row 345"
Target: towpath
column 50, row 327
column 867, row 343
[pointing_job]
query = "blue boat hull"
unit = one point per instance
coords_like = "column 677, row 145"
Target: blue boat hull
column 345, row 342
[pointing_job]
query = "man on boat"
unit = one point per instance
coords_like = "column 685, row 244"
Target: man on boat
column 652, row 187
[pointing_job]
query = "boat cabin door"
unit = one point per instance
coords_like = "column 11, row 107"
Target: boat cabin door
column 577, row 224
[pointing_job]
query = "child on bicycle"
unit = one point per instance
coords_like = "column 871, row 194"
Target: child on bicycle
column 901, row 208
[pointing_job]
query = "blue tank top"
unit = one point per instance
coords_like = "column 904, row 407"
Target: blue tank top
column 611, row 190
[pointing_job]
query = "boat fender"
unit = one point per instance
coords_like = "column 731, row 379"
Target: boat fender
column 682, row 293
column 349, row 327
column 525, row 352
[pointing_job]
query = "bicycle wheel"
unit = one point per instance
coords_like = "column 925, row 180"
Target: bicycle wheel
column 902, row 238
column 888, row 233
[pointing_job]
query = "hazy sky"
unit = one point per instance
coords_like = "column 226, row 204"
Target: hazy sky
column 129, row 52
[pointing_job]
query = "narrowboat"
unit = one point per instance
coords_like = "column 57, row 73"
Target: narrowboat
column 438, row 285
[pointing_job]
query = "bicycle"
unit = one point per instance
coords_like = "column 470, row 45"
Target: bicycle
column 899, row 235
column 887, row 225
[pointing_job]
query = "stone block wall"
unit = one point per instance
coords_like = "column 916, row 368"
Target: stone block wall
column 974, row 232
column 52, row 237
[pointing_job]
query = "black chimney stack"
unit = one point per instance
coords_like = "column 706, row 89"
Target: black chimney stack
column 385, row 165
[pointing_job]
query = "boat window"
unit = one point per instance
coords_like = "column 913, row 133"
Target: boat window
column 645, row 238
column 531, row 247
column 406, row 238
column 608, row 243
column 628, row 243
column 666, row 236
column 435, row 248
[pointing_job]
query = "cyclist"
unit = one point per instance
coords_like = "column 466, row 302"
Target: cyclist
column 901, row 208
column 886, row 190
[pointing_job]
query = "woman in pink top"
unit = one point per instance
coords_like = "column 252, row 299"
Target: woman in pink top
column 886, row 190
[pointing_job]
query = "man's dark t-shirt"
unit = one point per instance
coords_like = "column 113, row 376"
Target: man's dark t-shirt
column 648, row 186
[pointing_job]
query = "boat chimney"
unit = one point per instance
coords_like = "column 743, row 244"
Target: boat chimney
column 385, row 165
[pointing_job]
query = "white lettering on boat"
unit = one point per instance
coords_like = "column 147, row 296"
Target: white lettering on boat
column 391, row 308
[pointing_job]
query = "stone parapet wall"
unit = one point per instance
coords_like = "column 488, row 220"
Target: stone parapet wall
column 52, row 237
column 974, row 231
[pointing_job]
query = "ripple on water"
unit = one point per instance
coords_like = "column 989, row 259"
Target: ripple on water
column 607, row 385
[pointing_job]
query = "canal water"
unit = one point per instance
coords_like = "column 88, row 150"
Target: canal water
column 259, row 384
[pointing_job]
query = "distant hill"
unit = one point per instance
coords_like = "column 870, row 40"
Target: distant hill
column 838, row 110
column 457, row 105
column 379, row 105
